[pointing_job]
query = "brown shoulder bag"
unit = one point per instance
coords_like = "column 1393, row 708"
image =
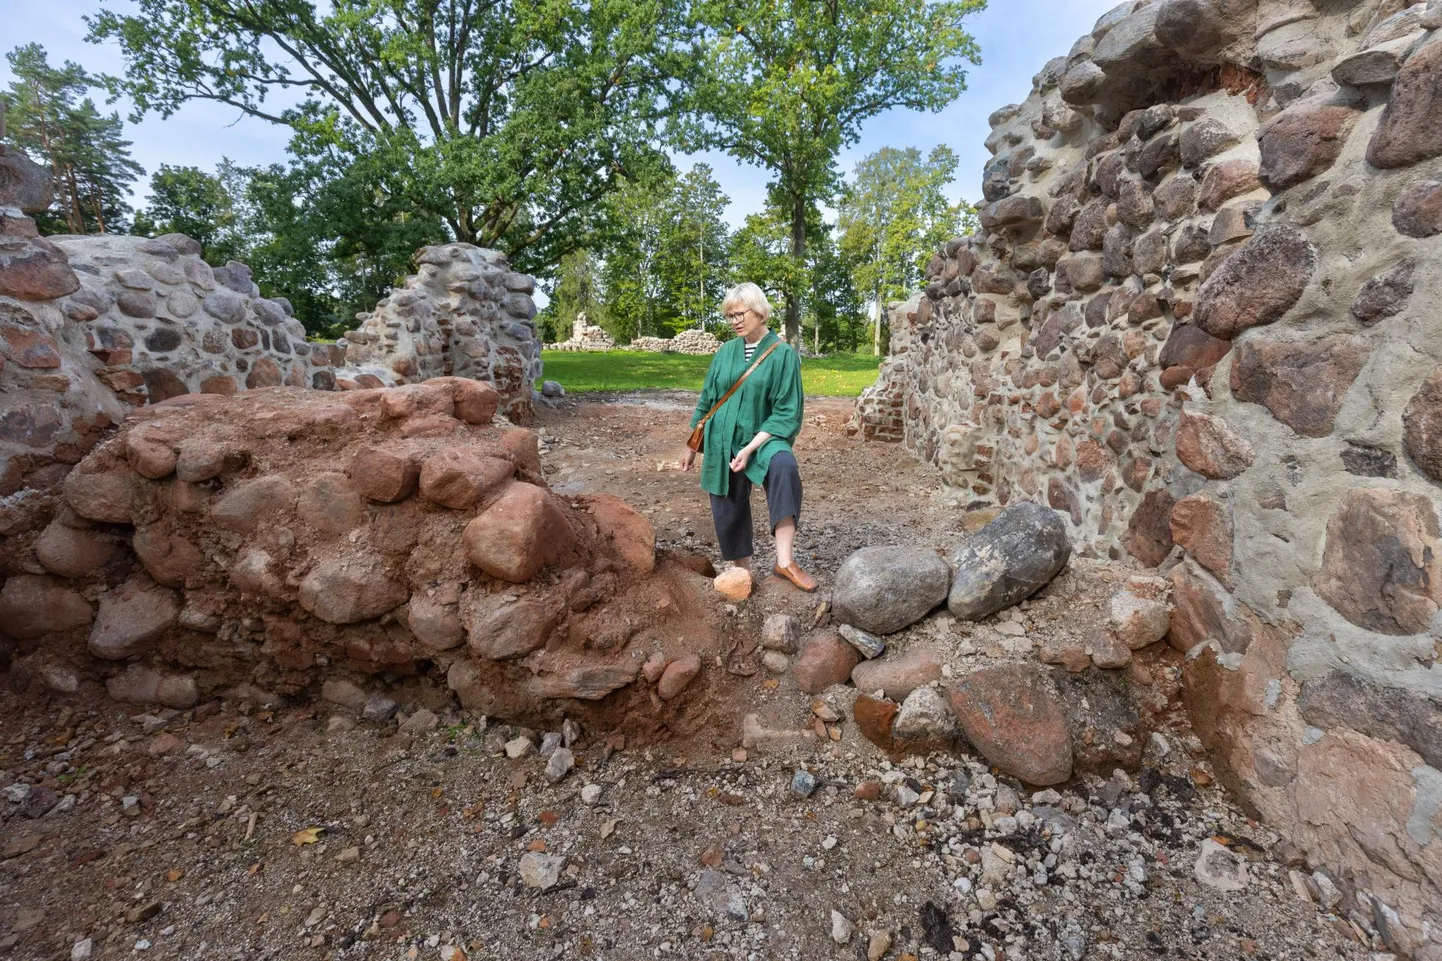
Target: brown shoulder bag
column 697, row 440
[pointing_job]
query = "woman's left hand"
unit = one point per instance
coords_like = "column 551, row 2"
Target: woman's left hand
column 743, row 456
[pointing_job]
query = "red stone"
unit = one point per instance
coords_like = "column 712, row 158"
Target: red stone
column 1204, row 611
column 1257, row 284
column 1408, row 131
column 898, row 674
column 351, row 590
column 1422, row 427
column 330, row 504
column 385, row 475
column 32, row 607
column 1014, row 717
column 1207, row 445
column 264, row 373
column 825, row 660
column 161, row 385
column 1203, row 526
column 1228, row 179
column 38, row 272
column 875, row 718
column 1417, row 211
column 461, row 477
column 1382, row 564
column 631, row 536
column 1303, row 383
column 504, row 631
column 218, row 384
column 1149, row 533
column 1303, row 141
column 30, row 348
column 521, row 531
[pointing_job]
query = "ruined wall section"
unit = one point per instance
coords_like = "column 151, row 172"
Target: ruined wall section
column 271, row 543
column 464, row 313
column 1199, row 324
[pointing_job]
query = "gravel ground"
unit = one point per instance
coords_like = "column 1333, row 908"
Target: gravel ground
column 232, row 832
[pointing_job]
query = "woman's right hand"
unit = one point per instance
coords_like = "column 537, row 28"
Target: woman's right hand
column 688, row 459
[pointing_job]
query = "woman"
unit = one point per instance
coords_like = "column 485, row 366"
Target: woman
column 748, row 439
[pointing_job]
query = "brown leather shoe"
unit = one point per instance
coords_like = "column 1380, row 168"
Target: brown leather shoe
column 796, row 576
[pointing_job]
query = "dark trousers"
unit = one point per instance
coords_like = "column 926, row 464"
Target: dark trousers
column 732, row 513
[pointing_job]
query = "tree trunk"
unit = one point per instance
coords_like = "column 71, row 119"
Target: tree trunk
column 798, row 264
column 876, row 332
column 74, row 219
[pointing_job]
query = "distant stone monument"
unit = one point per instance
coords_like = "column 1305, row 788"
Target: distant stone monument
column 585, row 336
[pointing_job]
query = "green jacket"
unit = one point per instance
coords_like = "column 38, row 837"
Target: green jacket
column 770, row 400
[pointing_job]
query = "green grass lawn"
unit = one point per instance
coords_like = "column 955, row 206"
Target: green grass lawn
column 840, row 375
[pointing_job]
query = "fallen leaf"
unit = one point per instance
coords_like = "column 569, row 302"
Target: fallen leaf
column 174, row 874
column 771, row 684
column 306, row 836
column 438, row 792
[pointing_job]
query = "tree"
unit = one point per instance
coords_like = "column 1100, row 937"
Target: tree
column 634, row 290
column 57, row 126
column 509, row 120
column 785, row 84
column 577, row 291
column 187, row 200
column 893, row 216
column 694, row 257
column 828, row 305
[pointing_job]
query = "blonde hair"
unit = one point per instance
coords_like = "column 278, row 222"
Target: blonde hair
column 747, row 295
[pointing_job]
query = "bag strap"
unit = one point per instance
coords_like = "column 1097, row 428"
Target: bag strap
column 727, row 396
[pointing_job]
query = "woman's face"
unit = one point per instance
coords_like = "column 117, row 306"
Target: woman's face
column 744, row 321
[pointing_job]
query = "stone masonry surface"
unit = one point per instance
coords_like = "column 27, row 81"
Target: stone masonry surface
column 1198, row 323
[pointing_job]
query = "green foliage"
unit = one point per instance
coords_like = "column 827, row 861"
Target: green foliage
column 893, row 216
column 507, row 121
column 56, row 125
column 189, row 201
column 577, row 291
column 839, row 375
column 668, row 254
column 785, row 84
column 827, row 302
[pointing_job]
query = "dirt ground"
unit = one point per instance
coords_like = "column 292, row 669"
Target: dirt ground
column 301, row 832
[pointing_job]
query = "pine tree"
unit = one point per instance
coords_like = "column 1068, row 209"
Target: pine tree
column 56, row 125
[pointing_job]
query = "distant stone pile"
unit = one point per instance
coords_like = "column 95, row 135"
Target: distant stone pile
column 690, row 341
column 1197, row 324
column 585, row 336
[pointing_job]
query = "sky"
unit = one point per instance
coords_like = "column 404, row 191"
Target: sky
column 1016, row 38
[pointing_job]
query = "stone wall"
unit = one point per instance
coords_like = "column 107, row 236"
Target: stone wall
column 464, row 313
column 1198, row 323
column 691, row 341
column 275, row 543
column 585, row 336
column 93, row 326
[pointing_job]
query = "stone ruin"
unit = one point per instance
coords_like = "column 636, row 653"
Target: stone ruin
column 285, row 542
column 690, row 341
column 464, row 313
column 92, row 327
column 585, row 336
column 1196, row 324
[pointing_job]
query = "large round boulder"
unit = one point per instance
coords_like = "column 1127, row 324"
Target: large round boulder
column 1008, row 560
column 886, row 589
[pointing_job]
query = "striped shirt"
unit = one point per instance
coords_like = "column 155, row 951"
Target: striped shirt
column 750, row 351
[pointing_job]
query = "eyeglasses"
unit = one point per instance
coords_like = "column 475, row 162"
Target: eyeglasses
column 738, row 314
